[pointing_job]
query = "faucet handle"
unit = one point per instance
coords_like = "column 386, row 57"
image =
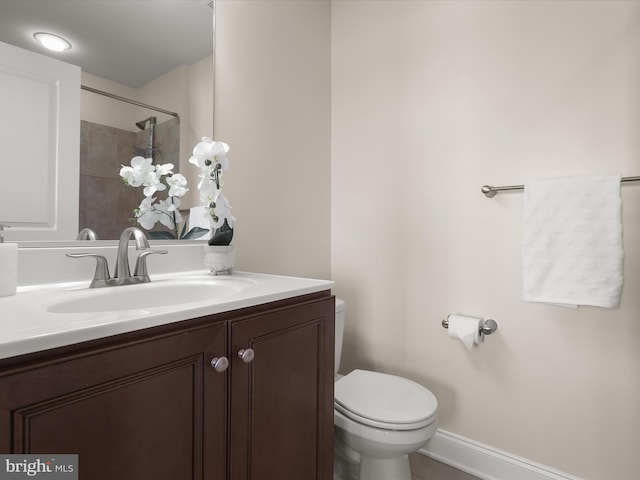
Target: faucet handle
column 101, row 274
column 140, row 269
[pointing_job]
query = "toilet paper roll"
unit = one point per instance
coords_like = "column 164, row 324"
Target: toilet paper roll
column 465, row 329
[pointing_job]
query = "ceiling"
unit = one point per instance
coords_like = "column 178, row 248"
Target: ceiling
column 127, row 41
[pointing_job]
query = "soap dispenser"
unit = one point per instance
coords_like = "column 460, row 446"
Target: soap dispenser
column 8, row 266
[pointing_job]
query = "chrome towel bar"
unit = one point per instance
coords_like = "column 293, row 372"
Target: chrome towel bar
column 490, row 191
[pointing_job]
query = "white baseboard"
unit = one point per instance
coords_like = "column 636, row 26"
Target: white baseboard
column 486, row 462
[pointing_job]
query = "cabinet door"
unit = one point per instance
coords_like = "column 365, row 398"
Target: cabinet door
column 133, row 411
column 282, row 401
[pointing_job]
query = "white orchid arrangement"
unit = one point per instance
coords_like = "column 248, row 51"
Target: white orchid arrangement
column 158, row 178
column 211, row 157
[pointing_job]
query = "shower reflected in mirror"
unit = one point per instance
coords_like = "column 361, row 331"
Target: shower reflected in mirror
column 150, row 148
column 106, row 204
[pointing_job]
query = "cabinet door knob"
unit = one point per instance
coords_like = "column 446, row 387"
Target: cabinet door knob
column 246, row 355
column 220, row 364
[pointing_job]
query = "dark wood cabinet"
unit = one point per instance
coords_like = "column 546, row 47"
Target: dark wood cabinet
column 283, row 399
column 148, row 404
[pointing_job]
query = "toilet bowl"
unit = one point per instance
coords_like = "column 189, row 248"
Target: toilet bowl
column 378, row 420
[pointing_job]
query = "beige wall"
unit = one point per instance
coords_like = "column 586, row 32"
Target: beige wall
column 106, row 111
column 200, row 123
column 272, row 106
column 431, row 100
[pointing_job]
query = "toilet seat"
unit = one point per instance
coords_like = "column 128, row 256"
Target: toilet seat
column 384, row 401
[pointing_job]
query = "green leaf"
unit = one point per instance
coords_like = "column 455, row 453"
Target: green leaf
column 194, row 233
column 162, row 235
column 222, row 236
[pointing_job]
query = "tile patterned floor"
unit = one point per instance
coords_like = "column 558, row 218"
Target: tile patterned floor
column 425, row 468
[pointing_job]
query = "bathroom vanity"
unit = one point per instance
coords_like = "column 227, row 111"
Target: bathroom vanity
column 244, row 391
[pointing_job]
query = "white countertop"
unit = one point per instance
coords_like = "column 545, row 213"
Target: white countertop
column 30, row 322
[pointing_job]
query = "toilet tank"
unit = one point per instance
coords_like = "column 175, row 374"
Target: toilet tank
column 340, row 313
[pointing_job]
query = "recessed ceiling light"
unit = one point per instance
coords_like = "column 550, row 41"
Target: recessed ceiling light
column 52, row 42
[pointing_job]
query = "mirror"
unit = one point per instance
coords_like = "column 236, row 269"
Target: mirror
column 133, row 49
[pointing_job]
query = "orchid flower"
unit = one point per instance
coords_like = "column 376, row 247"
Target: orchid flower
column 142, row 172
column 164, row 169
column 177, row 185
column 220, row 210
column 170, row 207
column 136, row 174
column 207, row 153
column 146, row 214
column 153, row 184
column 211, row 158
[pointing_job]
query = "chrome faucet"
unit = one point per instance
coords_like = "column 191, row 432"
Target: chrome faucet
column 122, row 275
column 122, row 261
column 86, row 234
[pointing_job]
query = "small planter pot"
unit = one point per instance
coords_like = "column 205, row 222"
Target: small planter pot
column 220, row 258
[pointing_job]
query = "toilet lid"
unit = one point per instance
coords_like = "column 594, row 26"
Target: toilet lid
column 384, row 399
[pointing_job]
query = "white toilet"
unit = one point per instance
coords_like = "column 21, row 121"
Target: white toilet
column 378, row 420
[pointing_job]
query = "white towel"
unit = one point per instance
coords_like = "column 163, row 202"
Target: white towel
column 572, row 242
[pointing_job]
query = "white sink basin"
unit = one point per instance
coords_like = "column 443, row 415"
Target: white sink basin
column 49, row 316
column 157, row 294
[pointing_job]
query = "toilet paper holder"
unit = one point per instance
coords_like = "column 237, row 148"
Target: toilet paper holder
column 487, row 327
